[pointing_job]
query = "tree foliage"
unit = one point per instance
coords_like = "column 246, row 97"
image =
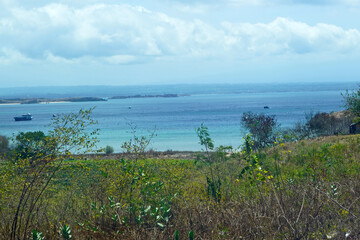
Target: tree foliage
column 204, row 137
column 32, row 145
column 109, row 149
column 37, row 157
column 352, row 101
column 261, row 127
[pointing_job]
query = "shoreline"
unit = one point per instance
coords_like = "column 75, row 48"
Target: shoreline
column 4, row 104
column 54, row 102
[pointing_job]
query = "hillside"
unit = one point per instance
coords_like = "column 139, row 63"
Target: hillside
column 301, row 190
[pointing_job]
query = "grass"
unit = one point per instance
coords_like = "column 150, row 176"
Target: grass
column 301, row 190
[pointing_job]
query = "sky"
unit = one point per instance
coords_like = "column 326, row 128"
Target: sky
column 113, row 42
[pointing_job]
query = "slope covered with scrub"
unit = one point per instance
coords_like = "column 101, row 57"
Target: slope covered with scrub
column 308, row 189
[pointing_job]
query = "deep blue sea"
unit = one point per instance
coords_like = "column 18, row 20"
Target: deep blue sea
column 219, row 107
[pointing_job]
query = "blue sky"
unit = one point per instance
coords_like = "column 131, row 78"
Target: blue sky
column 93, row 42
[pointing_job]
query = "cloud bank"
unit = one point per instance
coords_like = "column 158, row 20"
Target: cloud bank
column 350, row 3
column 128, row 34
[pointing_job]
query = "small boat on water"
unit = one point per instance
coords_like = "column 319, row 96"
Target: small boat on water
column 24, row 117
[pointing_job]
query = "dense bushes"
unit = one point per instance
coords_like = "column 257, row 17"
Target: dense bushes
column 326, row 124
column 265, row 130
column 319, row 124
column 33, row 163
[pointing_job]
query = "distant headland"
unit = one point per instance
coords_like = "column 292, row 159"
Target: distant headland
column 82, row 99
column 47, row 100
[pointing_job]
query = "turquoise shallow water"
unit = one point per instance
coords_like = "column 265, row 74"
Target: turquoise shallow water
column 177, row 118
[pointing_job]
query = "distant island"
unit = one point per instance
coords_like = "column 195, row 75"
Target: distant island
column 150, row 96
column 81, row 99
column 46, row 100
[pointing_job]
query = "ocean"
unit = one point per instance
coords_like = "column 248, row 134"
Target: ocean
column 174, row 120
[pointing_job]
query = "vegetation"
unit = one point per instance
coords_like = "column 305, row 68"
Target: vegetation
column 4, row 144
column 137, row 146
column 327, row 124
column 33, row 164
column 298, row 190
column 261, row 127
column 319, row 124
column 352, row 102
column 267, row 189
column 109, row 149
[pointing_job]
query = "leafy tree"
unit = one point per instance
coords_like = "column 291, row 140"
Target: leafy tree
column 39, row 157
column 109, row 149
column 352, row 101
column 31, row 145
column 261, row 127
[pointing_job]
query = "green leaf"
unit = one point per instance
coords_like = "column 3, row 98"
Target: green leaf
column 191, row 235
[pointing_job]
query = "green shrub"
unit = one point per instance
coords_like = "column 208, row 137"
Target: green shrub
column 66, row 232
column 37, row 235
column 352, row 101
column 261, row 127
column 109, row 149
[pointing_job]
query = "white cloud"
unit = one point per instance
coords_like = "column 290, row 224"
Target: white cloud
column 249, row 3
column 9, row 56
column 49, row 56
column 123, row 34
column 284, row 36
column 350, row 3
